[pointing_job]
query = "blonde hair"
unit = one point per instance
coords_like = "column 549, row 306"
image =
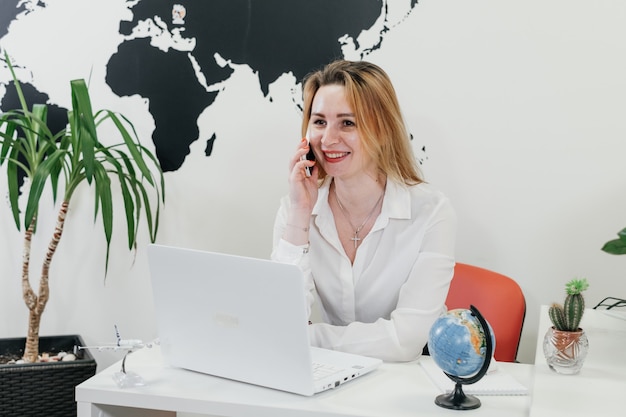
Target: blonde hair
column 379, row 121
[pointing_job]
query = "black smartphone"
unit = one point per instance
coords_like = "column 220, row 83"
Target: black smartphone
column 311, row 157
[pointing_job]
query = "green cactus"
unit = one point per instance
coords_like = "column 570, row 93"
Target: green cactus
column 557, row 316
column 567, row 317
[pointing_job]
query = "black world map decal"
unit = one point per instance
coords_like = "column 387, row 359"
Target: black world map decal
column 177, row 55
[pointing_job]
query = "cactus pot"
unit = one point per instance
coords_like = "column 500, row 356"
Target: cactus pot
column 565, row 351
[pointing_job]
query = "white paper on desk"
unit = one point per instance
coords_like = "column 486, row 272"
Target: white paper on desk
column 493, row 383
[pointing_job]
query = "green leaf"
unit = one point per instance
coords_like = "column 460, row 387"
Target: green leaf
column 83, row 129
column 14, row 191
column 7, row 133
column 615, row 247
column 129, row 205
column 148, row 211
column 18, row 88
column 103, row 193
column 129, row 208
column 39, row 126
column 133, row 148
column 38, row 183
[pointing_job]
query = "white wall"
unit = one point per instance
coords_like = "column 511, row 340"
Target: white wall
column 520, row 105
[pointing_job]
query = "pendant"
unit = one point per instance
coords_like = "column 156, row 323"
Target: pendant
column 355, row 239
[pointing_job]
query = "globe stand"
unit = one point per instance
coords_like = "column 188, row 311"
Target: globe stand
column 457, row 399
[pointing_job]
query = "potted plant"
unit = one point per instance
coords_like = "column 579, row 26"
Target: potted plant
column 565, row 344
column 35, row 157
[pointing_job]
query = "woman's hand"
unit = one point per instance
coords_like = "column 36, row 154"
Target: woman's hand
column 302, row 195
column 302, row 188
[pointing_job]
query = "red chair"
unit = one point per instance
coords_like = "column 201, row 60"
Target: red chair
column 498, row 298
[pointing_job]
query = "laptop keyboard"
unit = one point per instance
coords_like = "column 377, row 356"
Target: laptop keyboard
column 322, row 370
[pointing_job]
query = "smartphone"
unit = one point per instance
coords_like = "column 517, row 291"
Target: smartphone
column 311, row 157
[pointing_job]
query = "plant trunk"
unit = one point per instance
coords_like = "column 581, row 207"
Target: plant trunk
column 31, row 351
column 36, row 303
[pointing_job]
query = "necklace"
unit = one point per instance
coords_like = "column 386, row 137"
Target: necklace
column 357, row 230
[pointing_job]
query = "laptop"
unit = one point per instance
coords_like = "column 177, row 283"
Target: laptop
column 243, row 319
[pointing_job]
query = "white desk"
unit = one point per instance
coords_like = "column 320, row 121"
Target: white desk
column 598, row 389
column 392, row 390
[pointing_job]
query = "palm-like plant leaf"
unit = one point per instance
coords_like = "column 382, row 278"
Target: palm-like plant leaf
column 84, row 125
column 104, row 199
column 134, row 148
column 44, row 171
column 12, row 176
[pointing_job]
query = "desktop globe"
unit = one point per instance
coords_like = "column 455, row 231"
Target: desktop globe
column 457, row 343
column 461, row 343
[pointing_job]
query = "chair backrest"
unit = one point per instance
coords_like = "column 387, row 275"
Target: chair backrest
column 498, row 298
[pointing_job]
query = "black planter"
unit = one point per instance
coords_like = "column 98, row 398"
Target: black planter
column 43, row 389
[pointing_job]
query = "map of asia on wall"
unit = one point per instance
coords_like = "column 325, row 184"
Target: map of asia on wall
column 178, row 56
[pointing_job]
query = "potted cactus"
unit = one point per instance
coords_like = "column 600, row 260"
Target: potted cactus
column 565, row 344
column 567, row 317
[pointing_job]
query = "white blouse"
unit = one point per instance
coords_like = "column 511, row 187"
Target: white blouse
column 384, row 304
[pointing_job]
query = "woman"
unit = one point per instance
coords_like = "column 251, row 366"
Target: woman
column 375, row 243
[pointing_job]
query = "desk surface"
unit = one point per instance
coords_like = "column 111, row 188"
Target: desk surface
column 597, row 390
column 391, row 390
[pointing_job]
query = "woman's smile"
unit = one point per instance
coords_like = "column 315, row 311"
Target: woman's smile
column 333, row 157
